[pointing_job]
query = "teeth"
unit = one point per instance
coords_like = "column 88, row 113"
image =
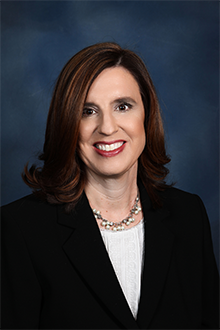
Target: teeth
column 109, row 147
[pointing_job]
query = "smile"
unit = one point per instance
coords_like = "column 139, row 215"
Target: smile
column 109, row 149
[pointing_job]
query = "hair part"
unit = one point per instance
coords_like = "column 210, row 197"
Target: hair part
column 62, row 178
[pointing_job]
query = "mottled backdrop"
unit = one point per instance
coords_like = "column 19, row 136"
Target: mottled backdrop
column 178, row 41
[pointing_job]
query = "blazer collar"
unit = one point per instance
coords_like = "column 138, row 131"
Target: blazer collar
column 94, row 266
column 157, row 257
column 87, row 253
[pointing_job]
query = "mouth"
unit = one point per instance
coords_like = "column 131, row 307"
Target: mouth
column 109, row 149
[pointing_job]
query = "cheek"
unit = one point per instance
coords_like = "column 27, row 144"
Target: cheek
column 139, row 135
column 84, row 133
column 136, row 128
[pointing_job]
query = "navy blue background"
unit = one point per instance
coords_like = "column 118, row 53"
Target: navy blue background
column 178, row 41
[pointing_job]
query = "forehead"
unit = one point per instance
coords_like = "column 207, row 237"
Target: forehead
column 114, row 82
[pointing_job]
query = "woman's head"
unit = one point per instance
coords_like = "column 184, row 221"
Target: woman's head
column 112, row 133
column 63, row 175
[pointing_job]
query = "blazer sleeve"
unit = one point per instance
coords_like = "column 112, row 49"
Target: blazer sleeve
column 210, row 280
column 21, row 292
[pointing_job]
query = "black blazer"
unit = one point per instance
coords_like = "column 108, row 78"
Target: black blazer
column 56, row 273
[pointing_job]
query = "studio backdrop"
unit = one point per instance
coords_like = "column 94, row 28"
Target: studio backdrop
column 178, row 41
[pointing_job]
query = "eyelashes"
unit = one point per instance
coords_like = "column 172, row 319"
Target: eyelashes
column 122, row 107
column 88, row 112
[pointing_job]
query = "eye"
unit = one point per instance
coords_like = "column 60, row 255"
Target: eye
column 124, row 107
column 88, row 112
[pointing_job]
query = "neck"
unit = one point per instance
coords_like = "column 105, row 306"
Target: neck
column 113, row 197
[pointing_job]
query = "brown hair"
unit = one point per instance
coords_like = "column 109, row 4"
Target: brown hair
column 62, row 177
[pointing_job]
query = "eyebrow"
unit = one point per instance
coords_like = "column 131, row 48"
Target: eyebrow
column 125, row 99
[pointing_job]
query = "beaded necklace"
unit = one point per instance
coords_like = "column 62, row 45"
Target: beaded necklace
column 117, row 226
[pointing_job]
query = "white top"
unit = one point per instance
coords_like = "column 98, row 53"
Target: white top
column 125, row 249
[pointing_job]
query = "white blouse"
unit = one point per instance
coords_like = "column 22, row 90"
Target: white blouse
column 125, row 249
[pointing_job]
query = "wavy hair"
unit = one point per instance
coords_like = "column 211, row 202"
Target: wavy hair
column 62, row 177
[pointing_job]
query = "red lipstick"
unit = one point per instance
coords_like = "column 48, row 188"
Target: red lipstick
column 109, row 153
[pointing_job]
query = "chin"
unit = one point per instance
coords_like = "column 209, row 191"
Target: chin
column 115, row 171
column 111, row 175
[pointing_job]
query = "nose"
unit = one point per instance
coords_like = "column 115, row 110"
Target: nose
column 107, row 124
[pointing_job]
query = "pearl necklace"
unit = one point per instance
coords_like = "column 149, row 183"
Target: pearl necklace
column 117, row 226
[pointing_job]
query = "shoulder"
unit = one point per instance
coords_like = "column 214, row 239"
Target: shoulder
column 28, row 209
column 186, row 211
column 29, row 203
column 174, row 192
column 21, row 202
column 173, row 198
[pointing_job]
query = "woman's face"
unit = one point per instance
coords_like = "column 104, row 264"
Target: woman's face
column 112, row 134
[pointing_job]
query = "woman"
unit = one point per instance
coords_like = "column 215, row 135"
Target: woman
column 104, row 242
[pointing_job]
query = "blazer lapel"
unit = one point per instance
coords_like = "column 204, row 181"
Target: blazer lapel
column 86, row 252
column 157, row 256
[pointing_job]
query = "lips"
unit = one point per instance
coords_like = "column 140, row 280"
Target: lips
column 109, row 149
